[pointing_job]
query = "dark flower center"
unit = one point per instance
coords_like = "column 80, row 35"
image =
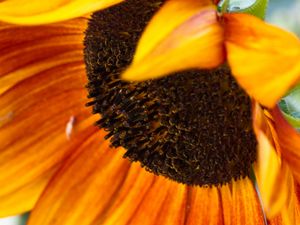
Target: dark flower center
column 193, row 127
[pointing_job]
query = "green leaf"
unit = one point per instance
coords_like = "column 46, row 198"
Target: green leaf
column 257, row 8
column 24, row 219
column 290, row 107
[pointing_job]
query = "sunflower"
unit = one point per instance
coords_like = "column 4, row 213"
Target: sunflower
column 188, row 136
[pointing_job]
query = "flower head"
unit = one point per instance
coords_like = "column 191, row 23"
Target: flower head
column 192, row 128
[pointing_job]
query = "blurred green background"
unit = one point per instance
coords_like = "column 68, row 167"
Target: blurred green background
column 285, row 13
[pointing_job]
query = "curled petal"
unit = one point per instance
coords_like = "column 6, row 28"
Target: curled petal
column 42, row 12
column 264, row 59
column 289, row 140
column 273, row 175
column 182, row 35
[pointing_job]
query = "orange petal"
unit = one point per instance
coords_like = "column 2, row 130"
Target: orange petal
column 85, row 186
column 42, row 91
column 34, row 116
column 101, row 193
column 134, row 190
column 247, row 208
column 240, row 203
column 289, row 140
column 163, row 201
column 153, row 200
column 37, row 12
column 264, row 59
column 163, row 204
column 231, row 204
column 175, row 205
column 182, row 35
column 204, row 206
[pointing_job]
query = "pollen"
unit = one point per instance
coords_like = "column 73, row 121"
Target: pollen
column 193, row 127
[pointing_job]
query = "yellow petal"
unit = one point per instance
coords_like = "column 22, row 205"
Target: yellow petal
column 289, row 140
column 23, row 199
column 42, row 12
column 264, row 59
column 182, row 35
column 273, row 176
column 289, row 215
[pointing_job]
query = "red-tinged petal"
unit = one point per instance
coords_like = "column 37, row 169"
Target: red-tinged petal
column 164, row 203
column 43, row 117
column 33, row 130
column 36, row 12
column 85, row 186
column 264, row 59
column 289, row 141
column 134, row 190
column 145, row 197
column 35, row 115
column 26, row 51
column 104, row 191
column 182, row 35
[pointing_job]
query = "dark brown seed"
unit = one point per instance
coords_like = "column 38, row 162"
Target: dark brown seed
column 193, row 127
